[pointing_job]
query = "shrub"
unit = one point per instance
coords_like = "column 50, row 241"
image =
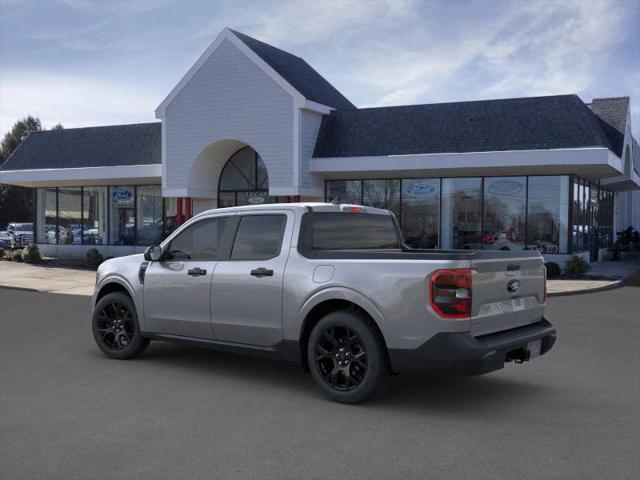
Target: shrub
column 16, row 256
column 576, row 266
column 93, row 259
column 1, row 253
column 31, row 254
column 553, row 270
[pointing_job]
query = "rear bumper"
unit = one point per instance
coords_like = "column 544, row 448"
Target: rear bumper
column 464, row 354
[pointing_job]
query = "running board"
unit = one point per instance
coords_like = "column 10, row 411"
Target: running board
column 287, row 350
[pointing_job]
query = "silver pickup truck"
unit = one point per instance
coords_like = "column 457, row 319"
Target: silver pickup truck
column 331, row 286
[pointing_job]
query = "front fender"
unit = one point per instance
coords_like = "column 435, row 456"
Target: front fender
column 131, row 290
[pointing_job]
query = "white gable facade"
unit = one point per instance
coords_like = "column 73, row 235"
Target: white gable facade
column 231, row 99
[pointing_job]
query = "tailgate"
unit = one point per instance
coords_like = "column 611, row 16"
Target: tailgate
column 508, row 292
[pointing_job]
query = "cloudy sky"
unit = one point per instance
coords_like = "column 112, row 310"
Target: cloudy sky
column 83, row 63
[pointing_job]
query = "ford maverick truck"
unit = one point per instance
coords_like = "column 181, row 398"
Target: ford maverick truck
column 331, row 286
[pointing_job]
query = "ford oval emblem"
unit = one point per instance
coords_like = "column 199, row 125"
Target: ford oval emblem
column 505, row 187
column 121, row 194
column 419, row 190
column 513, row 286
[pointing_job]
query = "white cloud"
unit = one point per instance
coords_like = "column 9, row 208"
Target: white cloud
column 376, row 52
column 73, row 101
column 306, row 22
column 532, row 48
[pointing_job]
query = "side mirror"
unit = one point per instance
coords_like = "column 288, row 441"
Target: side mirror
column 153, row 254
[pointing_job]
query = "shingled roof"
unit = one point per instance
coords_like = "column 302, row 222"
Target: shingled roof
column 613, row 116
column 533, row 123
column 298, row 73
column 108, row 146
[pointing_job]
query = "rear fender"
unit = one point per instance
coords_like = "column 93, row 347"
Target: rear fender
column 347, row 294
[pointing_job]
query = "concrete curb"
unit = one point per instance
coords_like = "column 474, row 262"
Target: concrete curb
column 36, row 290
column 26, row 289
column 616, row 284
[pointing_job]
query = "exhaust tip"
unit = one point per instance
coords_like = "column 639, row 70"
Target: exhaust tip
column 519, row 355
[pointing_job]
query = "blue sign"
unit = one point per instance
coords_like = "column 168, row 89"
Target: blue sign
column 419, row 190
column 122, row 197
column 121, row 194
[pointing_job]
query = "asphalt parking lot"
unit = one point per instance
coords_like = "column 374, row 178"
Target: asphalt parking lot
column 181, row 412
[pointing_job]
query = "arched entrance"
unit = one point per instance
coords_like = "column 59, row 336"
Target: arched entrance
column 244, row 180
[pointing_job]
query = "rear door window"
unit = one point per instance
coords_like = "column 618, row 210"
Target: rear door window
column 259, row 237
column 353, row 231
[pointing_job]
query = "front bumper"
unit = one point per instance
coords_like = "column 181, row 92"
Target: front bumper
column 464, row 354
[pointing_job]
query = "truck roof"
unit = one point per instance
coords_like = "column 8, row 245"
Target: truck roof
column 315, row 206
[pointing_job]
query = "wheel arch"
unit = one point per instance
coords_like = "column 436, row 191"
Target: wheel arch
column 113, row 284
column 331, row 300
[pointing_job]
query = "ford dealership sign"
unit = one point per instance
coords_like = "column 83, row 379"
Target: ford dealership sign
column 505, row 187
column 420, row 189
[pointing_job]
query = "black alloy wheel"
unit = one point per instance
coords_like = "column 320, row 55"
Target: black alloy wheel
column 341, row 358
column 347, row 356
column 115, row 327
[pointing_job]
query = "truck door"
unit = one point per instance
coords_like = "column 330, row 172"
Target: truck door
column 177, row 289
column 246, row 301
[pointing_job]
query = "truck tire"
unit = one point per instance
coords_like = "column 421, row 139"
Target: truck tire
column 346, row 357
column 115, row 327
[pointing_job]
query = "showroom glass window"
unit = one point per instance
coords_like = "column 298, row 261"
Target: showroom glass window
column 149, row 215
column 461, row 213
column 548, row 207
column 382, row 194
column 605, row 222
column 170, row 215
column 344, row 191
column 244, row 180
column 580, row 215
column 70, row 216
column 594, row 192
column 586, row 220
column 94, row 215
column 46, row 216
column 122, row 221
column 420, row 218
column 505, row 203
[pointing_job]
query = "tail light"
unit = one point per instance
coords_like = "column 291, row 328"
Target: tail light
column 451, row 293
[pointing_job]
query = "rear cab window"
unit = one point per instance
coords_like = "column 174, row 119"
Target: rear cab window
column 345, row 231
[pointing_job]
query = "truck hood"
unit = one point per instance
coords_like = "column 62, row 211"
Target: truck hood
column 118, row 263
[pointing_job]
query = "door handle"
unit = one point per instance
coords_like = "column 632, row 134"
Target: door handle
column 194, row 272
column 262, row 272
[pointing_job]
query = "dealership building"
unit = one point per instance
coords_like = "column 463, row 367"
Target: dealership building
column 250, row 124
